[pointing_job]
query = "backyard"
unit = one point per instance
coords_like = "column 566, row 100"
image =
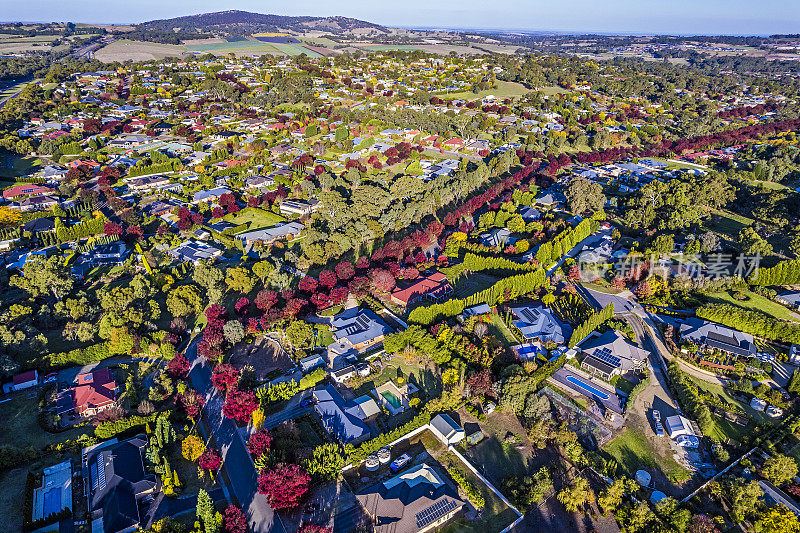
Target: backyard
column 21, row 413
column 724, row 429
column 632, row 451
column 755, row 302
column 424, row 378
column 255, row 218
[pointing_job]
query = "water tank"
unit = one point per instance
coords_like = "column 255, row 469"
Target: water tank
column 643, row 478
column 372, row 463
column 384, row 456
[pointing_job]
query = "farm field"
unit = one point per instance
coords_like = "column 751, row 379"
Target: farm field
column 756, row 302
column 125, row 50
column 295, row 50
column 252, row 47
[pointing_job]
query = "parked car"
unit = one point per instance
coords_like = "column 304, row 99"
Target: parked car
column 659, row 429
column 307, row 401
column 50, row 378
column 656, row 415
column 400, row 462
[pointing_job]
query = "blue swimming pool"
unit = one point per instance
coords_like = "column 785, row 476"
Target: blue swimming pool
column 52, row 501
column 527, row 348
column 587, row 387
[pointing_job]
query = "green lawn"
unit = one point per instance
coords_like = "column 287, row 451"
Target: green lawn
column 499, row 329
column 427, row 380
column 728, row 224
column 755, row 302
column 14, row 166
column 324, row 335
column 504, row 89
column 724, row 395
column 11, row 498
column 467, row 285
column 633, row 451
column 255, row 218
column 20, row 422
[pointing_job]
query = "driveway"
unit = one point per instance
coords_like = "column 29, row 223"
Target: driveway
column 238, row 471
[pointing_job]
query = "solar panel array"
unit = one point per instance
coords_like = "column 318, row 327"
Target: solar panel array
column 528, row 315
column 360, row 324
column 101, row 472
column 435, row 512
column 604, row 354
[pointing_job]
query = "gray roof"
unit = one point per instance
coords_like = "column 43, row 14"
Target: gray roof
column 338, row 416
column 540, row 322
column 272, row 233
column 717, row 336
column 194, row 251
column 211, row 193
column 612, row 350
column 793, row 297
column 358, row 325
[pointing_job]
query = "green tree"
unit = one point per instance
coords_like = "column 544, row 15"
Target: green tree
column 205, row 512
column 239, row 279
column 326, row 462
column 576, row 495
column 42, row 276
column 779, row 469
column 300, row 334
column 584, row 195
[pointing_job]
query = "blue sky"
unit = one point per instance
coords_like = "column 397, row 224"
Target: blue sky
column 630, row 16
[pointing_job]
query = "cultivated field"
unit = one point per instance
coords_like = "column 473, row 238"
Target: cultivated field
column 126, row 50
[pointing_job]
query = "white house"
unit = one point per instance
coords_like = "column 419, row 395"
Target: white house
column 447, row 430
column 677, row 425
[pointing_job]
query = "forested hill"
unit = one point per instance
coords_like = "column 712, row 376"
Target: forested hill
column 255, row 22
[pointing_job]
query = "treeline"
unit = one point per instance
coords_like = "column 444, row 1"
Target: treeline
column 591, row 324
column 689, row 398
column 750, row 321
column 356, row 455
column 109, row 429
column 551, row 251
column 507, row 289
column 170, row 166
column 784, row 273
column 79, row 231
column 476, row 263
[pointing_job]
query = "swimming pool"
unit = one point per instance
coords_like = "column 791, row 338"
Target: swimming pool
column 52, row 501
column 587, row 387
column 393, row 400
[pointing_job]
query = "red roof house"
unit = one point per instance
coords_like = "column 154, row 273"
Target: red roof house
column 432, row 287
column 26, row 189
column 26, row 380
column 92, row 393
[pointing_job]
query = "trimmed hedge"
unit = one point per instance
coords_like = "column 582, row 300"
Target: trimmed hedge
column 106, row 430
column 591, row 324
column 750, row 321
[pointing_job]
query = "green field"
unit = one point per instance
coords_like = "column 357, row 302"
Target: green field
column 504, row 89
column 390, row 48
column 633, row 451
column 255, row 218
column 257, row 47
column 21, row 413
column 729, row 224
column 755, row 302
column 12, row 166
column 295, row 50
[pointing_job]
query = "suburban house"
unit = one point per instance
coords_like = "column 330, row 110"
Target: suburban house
column 296, row 207
column 359, row 330
column 116, row 483
column 26, row 189
column 711, row 335
column 610, row 355
column 259, row 182
column 498, row 237
column 342, row 419
column 678, row 425
column 150, row 183
column 194, row 251
column 211, row 195
column 112, row 253
column 446, row 429
column 91, row 393
column 269, row 235
column 790, row 298
column 25, row 380
column 475, row 310
column 415, row 501
column 35, row 203
column 433, row 287
column 538, row 322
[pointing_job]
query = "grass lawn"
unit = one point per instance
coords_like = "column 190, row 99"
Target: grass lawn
column 722, row 394
column 624, row 385
column 504, row 89
column 11, row 498
column 727, row 223
column 499, row 329
column 19, row 416
column 633, row 451
column 601, row 288
column 429, row 382
column 255, row 218
column 467, row 285
column 755, row 302
column 496, row 515
column 14, row 166
column 324, row 335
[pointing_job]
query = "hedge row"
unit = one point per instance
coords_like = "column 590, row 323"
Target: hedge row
column 784, row 273
column 751, row 321
column 357, row 455
column 169, row 166
column 591, row 324
column 79, row 231
column 109, row 429
column 635, row 391
column 505, row 289
column 469, row 487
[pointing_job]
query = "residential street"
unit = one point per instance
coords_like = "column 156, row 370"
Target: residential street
column 238, row 472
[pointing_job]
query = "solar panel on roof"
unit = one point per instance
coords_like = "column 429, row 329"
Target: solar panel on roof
column 101, row 473
column 434, row 512
column 605, row 355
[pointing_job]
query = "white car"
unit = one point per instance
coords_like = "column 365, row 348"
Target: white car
column 656, row 415
column 400, row 462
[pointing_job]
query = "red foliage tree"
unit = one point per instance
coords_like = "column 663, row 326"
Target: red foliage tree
column 642, row 290
column 211, row 460
column 284, row 486
column 242, row 306
column 327, row 278
column 265, row 299
column 307, row 284
column 294, row 306
column 259, row 443
column 362, row 263
column 345, row 270
column 239, row 405
column 192, row 402
column 480, row 383
column 382, row 280
column 410, row 273
column 178, row 366
column 234, row 520
column 112, row 228
column 225, row 377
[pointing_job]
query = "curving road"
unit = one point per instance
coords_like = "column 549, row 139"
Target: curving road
column 238, row 472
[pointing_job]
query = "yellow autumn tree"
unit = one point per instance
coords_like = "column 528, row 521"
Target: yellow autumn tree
column 192, row 448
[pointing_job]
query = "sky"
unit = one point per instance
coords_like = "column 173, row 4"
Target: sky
column 685, row 17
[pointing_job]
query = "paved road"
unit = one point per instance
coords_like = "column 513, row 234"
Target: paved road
column 239, row 473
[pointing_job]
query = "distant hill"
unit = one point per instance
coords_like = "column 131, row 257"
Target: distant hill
column 236, row 22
